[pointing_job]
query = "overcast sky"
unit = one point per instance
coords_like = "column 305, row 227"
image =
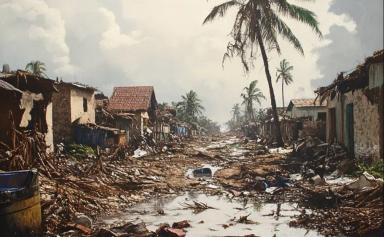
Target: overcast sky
column 163, row 43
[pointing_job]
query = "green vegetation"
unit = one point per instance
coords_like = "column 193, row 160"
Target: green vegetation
column 37, row 68
column 251, row 94
column 80, row 151
column 189, row 108
column 257, row 25
column 376, row 169
column 284, row 75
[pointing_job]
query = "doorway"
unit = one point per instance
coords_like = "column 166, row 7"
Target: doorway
column 349, row 128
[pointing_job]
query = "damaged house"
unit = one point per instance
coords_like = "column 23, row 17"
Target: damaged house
column 73, row 104
column 138, row 102
column 355, row 106
column 25, row 105
column 74, row 116
column 307, row 108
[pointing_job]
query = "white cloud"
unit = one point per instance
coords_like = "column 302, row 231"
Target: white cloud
column 147, row 42
column 35, row 21
column 112, row 37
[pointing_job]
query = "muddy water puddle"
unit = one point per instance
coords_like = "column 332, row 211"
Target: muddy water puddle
column 221, row 220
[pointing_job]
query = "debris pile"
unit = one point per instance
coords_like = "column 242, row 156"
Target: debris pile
column 352, row 209
column 319, row 158
column 29, row 152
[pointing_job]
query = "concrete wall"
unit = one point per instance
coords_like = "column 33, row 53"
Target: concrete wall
column 77, row 110
column 300, row 112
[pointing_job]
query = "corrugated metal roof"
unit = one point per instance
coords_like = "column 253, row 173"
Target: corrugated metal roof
column 133, row 98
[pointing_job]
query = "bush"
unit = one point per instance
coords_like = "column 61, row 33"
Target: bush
column 376, row 169
column 80, row 151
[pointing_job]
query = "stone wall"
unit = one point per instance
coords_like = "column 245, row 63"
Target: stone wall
column 366, row 123
column 61, row 114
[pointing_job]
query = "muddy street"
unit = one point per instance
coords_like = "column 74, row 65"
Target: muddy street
column 219, row 186
column 227, row 205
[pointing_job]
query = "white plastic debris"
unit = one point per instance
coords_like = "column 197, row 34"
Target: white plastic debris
column 139, row 153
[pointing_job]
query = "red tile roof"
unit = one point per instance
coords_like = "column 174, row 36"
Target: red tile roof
column 132, row 98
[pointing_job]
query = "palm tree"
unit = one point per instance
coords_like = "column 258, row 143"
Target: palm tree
column 257, row 25
column 36, row 67
column 284, row 74
column 252, row 94
column 236, row 113
column 190, row 106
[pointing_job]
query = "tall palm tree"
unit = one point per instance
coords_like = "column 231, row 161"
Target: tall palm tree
column 252, row 94
column 36, row 67
column 190, row 106
column 257, row 25
column 284, row 74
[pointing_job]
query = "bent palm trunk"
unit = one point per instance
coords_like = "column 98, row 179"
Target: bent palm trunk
column 276, row 121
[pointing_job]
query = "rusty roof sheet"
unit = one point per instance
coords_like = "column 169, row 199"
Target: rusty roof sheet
column 132, row 98
column 307, row 103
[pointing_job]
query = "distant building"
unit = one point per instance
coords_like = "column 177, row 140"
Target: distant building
column 307, row 108
column 137, row 100
column 356, row 108
column 74, row 103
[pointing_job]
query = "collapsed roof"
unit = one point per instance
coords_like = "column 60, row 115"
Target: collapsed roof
column 357, row 79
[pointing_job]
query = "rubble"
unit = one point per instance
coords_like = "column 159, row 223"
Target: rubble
column 77, row 189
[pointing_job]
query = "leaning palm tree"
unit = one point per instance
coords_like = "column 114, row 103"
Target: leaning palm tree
column 284, row 74
column 36, row 67
column 252, row 94
column 190, row 106
column 257, row 26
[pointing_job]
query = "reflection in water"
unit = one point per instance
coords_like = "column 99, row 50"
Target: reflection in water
column 272, row 218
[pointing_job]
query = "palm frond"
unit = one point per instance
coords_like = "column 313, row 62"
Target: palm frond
column 286, row 32
column 220, row 10
column 299, row 13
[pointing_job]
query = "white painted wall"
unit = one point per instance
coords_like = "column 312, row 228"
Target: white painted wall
column 77, row 106
column 49, row 135
column 300, row 112
column 27, row 104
